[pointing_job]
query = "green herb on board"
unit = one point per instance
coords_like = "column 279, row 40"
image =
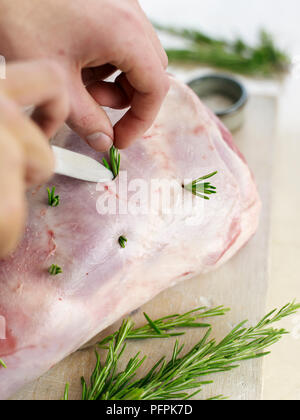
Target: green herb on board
column 265, row 59
column 182, row 375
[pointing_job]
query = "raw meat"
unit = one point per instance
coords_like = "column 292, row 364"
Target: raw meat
column 49, row 317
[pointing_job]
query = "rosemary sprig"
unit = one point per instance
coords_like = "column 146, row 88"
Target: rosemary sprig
column 53, row 200
column 264, row 59
column 3, row 364
column 115, row 160
column 54, row 270
column 160, row 328
column 202, row 189
column 176, row 378
column 122, row 241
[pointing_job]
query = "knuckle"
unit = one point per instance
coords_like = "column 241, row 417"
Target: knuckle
column 162, row 87
column 133, row 28
column 166, row 85
column 96, row 120
column 165, row 63
column 165, row 60
column 130, row 16
column 86, row 121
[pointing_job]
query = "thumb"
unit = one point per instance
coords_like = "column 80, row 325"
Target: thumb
column 89, row 120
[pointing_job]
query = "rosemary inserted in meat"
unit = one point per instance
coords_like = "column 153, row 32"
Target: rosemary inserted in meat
column 54, row 270
column 115, row 160
column 122, row 241
column 53, row 200
column 3, row 364
column 202, row 189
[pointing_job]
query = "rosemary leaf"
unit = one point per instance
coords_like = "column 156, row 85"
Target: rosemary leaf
column 3, row 364
column 106, row 164
column 152, row 324
column 66, row 394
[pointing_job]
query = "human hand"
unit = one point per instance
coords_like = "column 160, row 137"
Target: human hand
column 25, row 155
column 92, row 39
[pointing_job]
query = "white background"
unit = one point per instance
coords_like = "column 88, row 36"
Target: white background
column 232, row 17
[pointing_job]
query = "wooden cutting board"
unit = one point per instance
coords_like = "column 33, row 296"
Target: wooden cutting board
column 241, row 285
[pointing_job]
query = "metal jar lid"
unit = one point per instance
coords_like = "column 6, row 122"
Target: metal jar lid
column 225, row 95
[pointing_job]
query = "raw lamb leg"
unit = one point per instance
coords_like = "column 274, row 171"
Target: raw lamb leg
column 48, row 317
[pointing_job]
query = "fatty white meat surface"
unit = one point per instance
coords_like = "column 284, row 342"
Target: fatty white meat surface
column 48, row 317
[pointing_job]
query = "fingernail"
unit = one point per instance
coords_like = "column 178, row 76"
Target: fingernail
column 100, row 141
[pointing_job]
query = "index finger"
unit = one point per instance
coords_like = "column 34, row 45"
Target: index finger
column 145, row 73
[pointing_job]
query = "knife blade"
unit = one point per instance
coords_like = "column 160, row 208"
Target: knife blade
column 76, row 165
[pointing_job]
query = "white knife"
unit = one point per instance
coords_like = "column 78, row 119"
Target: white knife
column 80, row 166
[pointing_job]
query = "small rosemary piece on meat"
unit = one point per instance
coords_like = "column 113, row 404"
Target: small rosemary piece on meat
column 3, row 364
column 200, row 188
column 53, row 200
column 54, row 270
column 181, row 375
column 115, row 160
column 122, row 241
